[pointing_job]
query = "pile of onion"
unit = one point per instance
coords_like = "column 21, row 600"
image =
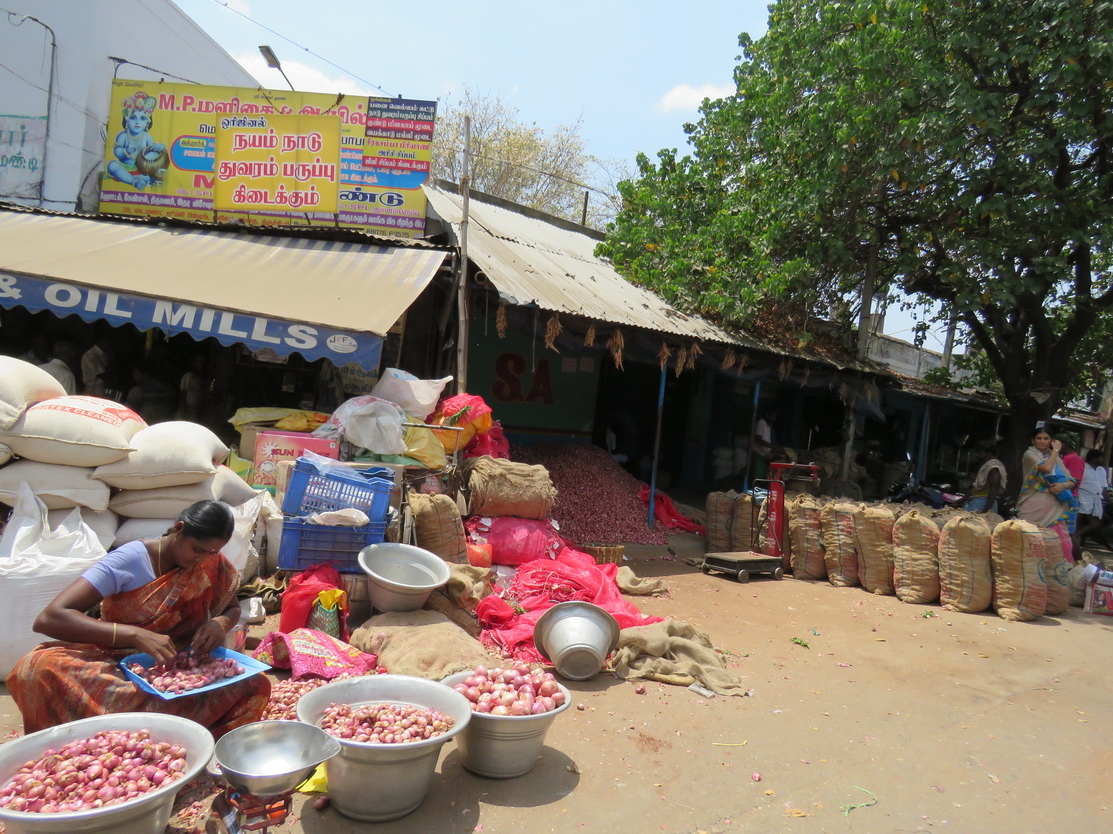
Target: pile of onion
column 283, row 703
column 111, row 767
column 520, row 690
column 384, row 723
column 187, row 671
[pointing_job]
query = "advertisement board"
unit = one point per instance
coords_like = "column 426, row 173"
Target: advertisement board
column 161, row 159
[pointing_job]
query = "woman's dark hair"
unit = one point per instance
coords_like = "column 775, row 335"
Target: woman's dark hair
column 1044, row 430
column 208, row 520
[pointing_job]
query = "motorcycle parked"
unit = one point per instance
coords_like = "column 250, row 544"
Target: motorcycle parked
column 936, row 496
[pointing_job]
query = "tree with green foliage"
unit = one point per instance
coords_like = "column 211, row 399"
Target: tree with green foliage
column 520, row 162
column 953, row 152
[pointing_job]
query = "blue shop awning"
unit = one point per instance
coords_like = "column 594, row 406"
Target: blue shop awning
column 320, row 298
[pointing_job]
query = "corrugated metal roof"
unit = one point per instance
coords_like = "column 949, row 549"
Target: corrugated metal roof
column 552, row 264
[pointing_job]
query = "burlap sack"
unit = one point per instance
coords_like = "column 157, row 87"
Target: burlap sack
column 498, row 487
column 720, row 517
column 438, row 526
column 422, row 643
column 873, row 531
column 1055, row 574
column 805, row 529
column 965, row 571
column 742, row 524
column 840, row 551
column 1019, row 556
column 916, row 558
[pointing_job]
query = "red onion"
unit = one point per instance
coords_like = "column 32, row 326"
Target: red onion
column 90, row 773
column 520, row 690
column 384, row 723
column 187, row 671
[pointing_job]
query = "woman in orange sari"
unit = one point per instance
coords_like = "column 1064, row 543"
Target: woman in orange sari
column 156, row 596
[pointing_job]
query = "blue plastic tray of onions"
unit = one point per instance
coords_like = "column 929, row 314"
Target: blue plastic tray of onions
column 190, row 675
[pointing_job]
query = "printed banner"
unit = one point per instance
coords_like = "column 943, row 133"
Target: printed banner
column 399, row 140
column 22, row 151
column 162, row 160
column 266, row 163
column 340, row 347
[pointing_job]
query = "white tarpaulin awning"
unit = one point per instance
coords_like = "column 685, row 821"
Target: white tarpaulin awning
column 321, row 298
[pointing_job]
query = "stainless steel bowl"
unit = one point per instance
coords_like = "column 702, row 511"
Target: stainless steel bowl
column 576, row 637
column 268, row 758
column 400, row 577
column 236, row 638
column 380, row 782
column 147, row 814
column 504, row 746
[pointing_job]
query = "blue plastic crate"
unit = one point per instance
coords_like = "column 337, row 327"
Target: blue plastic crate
column 305, row 544
column 313, row 491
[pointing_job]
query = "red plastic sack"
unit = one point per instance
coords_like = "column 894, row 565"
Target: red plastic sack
column 479, row 555
column 299, row 596
column 465, row 411
column 514, row 541
column 492, row 443
column 665, row 512
column 308, row 653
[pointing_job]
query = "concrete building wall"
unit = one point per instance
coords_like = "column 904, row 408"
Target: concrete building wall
column 61, row 122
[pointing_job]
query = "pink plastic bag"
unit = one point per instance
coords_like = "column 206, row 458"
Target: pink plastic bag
column 308, row 653
column 514, row 541
column 492, row 443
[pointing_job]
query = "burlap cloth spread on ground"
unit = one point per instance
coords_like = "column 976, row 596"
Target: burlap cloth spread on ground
column 672, row 652
column 457, row 599
column 421, row 643
column 630, row 583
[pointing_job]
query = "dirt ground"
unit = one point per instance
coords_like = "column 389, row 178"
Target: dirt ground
column 864, row 715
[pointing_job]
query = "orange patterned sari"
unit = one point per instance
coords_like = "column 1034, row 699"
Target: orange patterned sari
column 60, row 682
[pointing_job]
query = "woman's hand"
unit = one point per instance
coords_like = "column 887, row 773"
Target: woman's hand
column 1056, row 445
column 208, row 637
column 1055, row 489
column 158, row 646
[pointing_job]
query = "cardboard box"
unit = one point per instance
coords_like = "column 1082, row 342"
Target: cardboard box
column 272, row 446
column 1099, row 592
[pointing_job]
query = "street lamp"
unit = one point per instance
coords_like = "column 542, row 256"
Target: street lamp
column 272, row 61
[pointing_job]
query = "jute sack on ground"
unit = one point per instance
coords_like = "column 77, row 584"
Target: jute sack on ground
column 742, row 524
column 1019, row 555
column 498, row 487
column 438, row 526
column 873, row 530
column 916, row 558
column 720, row 516
column 840, row 551
column 965, row 571
column 805, row 528
column 1055, row 574
column 422, row 643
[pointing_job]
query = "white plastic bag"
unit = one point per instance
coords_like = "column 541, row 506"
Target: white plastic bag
column 368, row 422
column 418, row 397
column 240, row 549
column 36, row 563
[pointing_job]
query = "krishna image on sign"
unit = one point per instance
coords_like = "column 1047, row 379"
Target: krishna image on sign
column 140, row 160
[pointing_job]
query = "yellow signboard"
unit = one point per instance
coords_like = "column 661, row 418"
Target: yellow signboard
column 274, row 163
column 164, row 160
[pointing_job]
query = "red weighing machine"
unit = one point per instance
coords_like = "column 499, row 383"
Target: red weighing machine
column 742, row 564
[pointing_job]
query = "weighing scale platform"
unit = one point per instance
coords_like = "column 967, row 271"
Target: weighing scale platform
column 742, row 564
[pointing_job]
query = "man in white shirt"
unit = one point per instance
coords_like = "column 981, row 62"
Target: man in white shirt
column 765, row 449
column 94, row 365
column 59, row 366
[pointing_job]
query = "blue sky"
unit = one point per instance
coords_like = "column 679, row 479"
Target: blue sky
column 632, row 72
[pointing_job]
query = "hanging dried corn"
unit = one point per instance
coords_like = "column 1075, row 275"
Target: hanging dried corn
column 693, row 351
column 589, row 337
column 552, row 330
column 663, row 355
column 681, row 359
column 729, row 360
column 615, row 345
column 784, row 369
column 500, row 321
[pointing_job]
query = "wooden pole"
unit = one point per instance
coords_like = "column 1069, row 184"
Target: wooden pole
column 462, row 279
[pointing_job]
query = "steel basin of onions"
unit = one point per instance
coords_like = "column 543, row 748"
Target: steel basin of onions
column 504, row 746
column 146, row 814
column 380, row 782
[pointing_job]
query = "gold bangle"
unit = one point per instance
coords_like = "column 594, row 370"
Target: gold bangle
column 114, row 635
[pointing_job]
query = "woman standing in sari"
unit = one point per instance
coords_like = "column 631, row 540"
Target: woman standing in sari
column 156, row 596
column 1046, row 498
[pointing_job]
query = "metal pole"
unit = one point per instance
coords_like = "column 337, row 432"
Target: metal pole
column 753, row 434
column 583, row 222
column 462, row 280
column 657, row 447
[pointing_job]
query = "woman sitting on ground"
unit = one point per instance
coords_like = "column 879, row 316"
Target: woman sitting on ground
column 157, row 596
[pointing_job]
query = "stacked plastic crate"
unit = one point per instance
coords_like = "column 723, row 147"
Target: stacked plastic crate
column 318, row 490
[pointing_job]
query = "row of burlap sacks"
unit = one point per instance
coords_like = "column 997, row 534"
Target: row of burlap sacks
column 967, row 562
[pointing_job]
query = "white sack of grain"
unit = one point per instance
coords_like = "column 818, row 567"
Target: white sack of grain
column 74, row 431
column 21, row 385
column 58, row 487
column 166, row 454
